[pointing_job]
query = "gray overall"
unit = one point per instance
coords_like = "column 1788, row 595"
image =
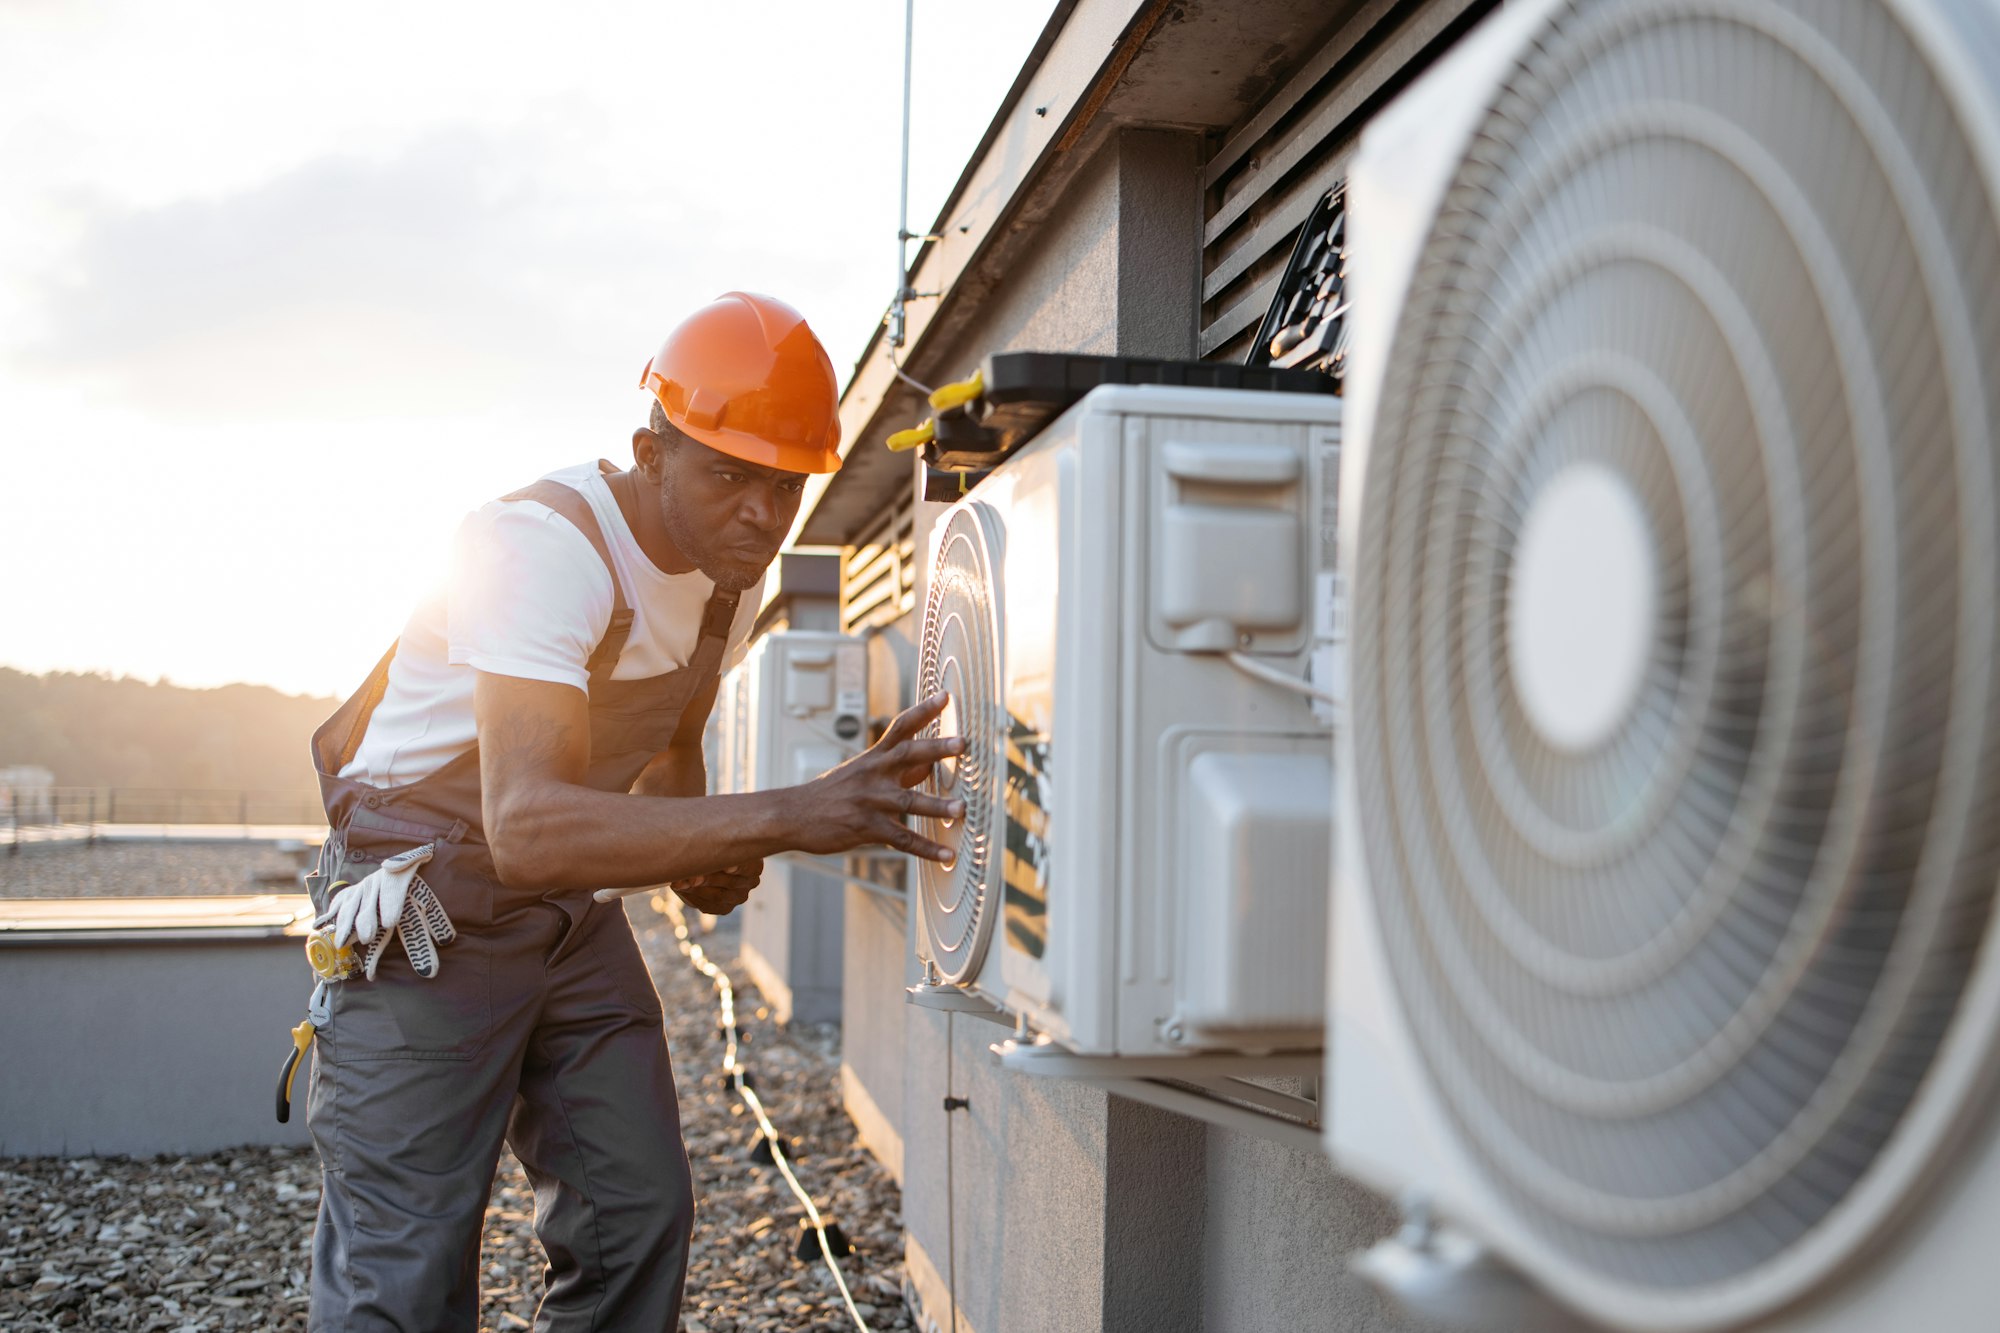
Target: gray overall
column 541, row 1029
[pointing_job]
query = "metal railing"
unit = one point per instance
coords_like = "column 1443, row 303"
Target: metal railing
column 39, row 814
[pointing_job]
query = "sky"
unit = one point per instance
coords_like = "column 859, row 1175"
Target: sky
column 286, row 290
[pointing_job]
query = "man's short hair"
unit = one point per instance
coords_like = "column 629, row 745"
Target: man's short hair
column 665, row 429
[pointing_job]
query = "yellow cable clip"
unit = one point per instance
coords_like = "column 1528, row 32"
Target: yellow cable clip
column 957, row 395
column 909, row 439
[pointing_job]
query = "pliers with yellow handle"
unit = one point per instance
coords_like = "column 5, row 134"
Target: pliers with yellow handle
column 302, row 1037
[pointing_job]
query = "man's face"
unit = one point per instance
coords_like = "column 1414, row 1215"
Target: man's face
column 727, row 516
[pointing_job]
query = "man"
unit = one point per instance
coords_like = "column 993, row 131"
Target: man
column 535, row 735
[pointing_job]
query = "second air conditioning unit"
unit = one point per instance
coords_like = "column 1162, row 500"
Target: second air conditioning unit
column 1146, row 816
column 792, row 709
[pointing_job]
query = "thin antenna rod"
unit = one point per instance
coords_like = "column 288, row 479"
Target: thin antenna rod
column 896, row 311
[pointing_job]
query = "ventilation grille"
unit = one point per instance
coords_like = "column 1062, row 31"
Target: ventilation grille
column 961, row 656
column 1264, row 181
column 878, row 573
column 1680, row 983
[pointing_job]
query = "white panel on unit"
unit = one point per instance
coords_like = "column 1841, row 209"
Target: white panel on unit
column 1141, row 867
column 793, row 708
column 1664, row 941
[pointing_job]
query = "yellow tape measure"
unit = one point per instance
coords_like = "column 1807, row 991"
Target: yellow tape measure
column 330, row 962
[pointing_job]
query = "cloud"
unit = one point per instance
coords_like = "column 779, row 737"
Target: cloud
column 465, row 267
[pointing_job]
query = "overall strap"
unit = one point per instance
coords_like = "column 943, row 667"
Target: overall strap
column 350, row 721
column 718, row 615
column 571, row 504
column 705, row 665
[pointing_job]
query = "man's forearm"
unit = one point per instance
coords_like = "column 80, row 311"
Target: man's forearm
column 677, row 771
column 559, row 836
column 549, row 831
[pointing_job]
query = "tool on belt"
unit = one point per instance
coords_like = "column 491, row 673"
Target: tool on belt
column 331, row 965
column 391, row 900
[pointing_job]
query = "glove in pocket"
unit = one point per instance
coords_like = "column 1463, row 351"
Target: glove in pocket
column 454, row 872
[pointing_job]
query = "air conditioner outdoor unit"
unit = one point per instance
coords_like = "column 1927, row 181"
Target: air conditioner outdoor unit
column 794, row 707
column 791, row 710
column 1666, row 964
column 1145, row 817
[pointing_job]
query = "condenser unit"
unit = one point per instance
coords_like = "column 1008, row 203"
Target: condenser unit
column 1664, row 948
column 792, row 709
column 1117, row 613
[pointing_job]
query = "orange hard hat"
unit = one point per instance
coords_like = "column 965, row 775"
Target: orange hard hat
column 746, row 377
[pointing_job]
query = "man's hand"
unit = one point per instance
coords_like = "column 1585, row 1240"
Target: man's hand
column 864, row 802
column 721, row 892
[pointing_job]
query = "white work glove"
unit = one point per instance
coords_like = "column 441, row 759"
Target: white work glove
column 392, row 899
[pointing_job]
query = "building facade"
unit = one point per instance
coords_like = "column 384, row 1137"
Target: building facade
column 1137, row 194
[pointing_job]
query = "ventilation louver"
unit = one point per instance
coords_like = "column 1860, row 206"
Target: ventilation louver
column 1672, row 555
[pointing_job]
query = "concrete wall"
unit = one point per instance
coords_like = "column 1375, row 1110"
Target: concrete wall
column 1280, row 1227
column 877, row 962
column 148, row 1049
column 1043, row 1204
column 877, row 957
column 1046, row 1205
column 792, row 942
column 1115, row 268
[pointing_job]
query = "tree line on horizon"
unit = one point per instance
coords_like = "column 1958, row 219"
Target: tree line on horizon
column 94, row 730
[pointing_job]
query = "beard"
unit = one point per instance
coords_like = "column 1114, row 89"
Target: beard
column 728, row 572
column 732, row 575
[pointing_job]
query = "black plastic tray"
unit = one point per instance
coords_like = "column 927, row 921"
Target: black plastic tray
column 1027, row 390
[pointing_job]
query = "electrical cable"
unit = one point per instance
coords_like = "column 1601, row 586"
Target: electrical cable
column 903, row 375
column 1250, row 666
column 950, row 1203
column 669, row 908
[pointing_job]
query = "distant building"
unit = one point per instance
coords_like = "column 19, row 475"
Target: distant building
column 27, row 793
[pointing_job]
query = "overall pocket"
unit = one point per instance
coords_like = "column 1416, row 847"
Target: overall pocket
column 400, row 1014
column 454, row 874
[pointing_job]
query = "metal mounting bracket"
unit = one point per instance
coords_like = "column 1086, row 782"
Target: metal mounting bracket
column 1208, row 1088
column 956, row 1000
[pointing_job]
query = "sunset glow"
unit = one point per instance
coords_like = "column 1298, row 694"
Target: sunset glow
column 283, row 292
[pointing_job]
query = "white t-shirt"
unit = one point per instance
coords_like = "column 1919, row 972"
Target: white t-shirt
column 528, row 596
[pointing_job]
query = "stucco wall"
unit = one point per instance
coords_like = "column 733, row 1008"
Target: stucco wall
column 1280, row 1227
column 1046, row 1205
column 792, row 942
column 1063, row 294
column 1005, row 1197
column 184, row 1045
column 877, row 962
column 1115, row 267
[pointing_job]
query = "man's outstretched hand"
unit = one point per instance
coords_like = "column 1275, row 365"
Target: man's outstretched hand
column 720, row 892
column 866, row 801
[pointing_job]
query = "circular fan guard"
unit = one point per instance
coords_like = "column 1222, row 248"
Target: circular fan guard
column 1680, row 987
column 961, row 656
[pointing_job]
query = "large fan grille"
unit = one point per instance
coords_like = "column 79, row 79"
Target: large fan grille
column 961, row 656
column 1680, row 987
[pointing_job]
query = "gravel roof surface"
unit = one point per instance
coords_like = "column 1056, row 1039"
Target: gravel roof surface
column 223, row 1242
column 145, row 870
